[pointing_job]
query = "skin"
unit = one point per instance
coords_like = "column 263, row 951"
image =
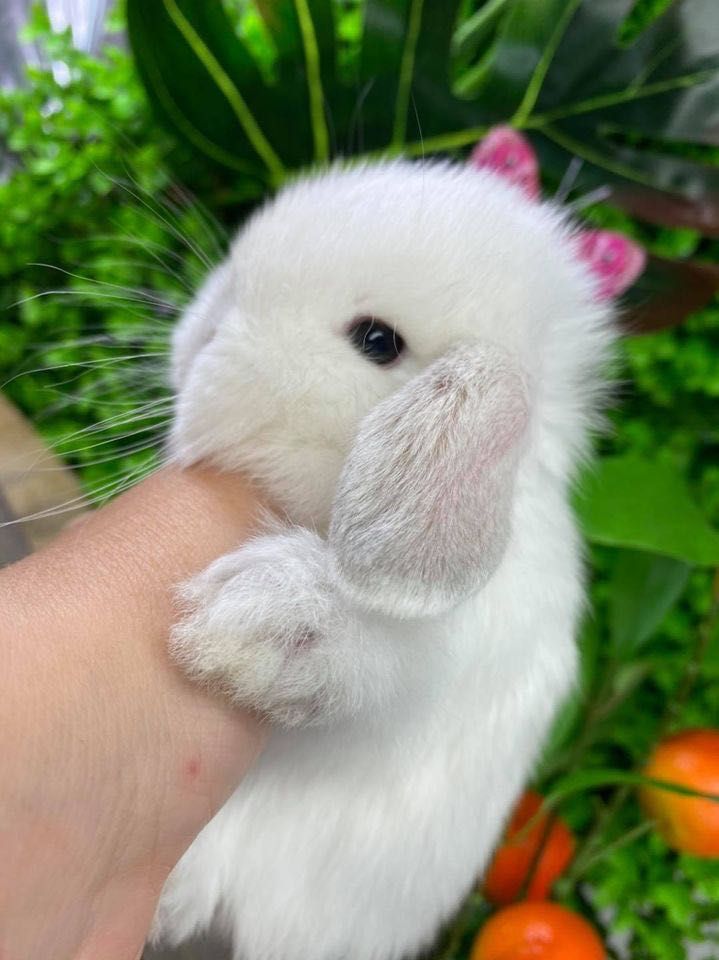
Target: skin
column 112, row 762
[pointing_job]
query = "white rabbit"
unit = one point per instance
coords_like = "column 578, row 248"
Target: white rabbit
column 407, row 358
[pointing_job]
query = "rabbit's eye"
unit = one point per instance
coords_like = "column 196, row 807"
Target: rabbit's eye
column 377, row 341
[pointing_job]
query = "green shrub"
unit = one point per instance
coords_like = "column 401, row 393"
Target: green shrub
column 90, row 272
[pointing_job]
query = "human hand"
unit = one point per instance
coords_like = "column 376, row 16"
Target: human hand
column 112, row 762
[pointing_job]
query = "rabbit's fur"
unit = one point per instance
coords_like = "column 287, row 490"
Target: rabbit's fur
column 410, row 628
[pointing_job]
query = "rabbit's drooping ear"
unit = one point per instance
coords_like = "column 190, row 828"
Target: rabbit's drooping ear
column 423, row 507
column 614, row 260
column 511, row 156
column 199, row 321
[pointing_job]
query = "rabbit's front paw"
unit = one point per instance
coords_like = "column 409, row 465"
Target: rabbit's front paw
column 261, row 625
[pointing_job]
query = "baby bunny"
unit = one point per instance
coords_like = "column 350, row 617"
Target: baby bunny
column 407, row 357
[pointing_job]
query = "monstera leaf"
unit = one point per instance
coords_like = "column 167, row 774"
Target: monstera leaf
column 561, row 70
column 631, row 107
column 205, row 85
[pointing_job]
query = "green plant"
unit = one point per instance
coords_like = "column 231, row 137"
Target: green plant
column 629, row 98
column 90, row 193
column 93, row 267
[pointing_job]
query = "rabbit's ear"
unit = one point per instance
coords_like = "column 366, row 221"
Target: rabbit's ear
column 614, row 260
column 510, row 155
column 198, row 322
column 422, row 513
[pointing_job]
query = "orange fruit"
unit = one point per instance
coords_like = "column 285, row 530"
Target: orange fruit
column 690, row 758
column 515, row 855
column 537, row 930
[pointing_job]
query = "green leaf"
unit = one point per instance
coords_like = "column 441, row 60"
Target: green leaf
column 643, row 587
column 404, row 71
column 526, row 44
column 384, row 38
column 643, row 505
column 600, row 97
column 641, row 16
column 557, row 68
column 433, row 105
column 554, row 67
column 296, row 25
column 473, row 33
column 218, row 101
column 626, row 679
column 676, row 900
column 585, row 780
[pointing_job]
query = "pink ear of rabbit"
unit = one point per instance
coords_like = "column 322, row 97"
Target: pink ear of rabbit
column 615, row 260
column 510, row 155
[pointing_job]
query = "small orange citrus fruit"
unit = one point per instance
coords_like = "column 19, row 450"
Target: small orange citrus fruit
column 690, row 758
column 515, row 855
column 537, row 930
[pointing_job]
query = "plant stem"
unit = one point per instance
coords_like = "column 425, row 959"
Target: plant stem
column 619, row 96
column 589, row 859
column 446, row 141
column 604, row 818
column 406, row 73
column 541, row 122
column 534, row 87
column 234, row 98
column 314, row 81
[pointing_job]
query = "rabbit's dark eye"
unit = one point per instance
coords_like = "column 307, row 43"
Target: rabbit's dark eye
column 377, row 341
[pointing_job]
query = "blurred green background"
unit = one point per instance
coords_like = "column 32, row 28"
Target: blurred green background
column 124, row 171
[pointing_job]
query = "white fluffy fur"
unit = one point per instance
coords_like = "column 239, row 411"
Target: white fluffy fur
column 411, row 630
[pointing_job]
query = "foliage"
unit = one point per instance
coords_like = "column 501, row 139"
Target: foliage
column 511, row 59
column 88, row 190
column 78, row 219
column 625, row 101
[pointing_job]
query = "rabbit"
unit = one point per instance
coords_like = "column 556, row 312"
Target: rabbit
column 408, row 357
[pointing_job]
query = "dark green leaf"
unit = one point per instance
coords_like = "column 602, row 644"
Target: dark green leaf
column 552, row 66
column 627, row 678
column 304, row 38
column 404, row 71
column 383, row 43
column 433, row 107
column 472, row 35
column 644, row 586
column 598, row 97
column 526, row 44
column 644, row 505
column 218, row 101
column 642, row 15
